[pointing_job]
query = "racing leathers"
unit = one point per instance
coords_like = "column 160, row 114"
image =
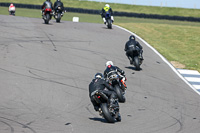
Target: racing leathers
column 111, row 70
column 59, row 4
column 46, row 4
column 132, row 46
column 101, row 84
column 104, row 11
column 11, row 9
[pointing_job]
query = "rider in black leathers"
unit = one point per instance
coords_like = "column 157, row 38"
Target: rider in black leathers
column 131, row 46
column 98, row 83
column 111, row 69
column 46, row 4
column 57, row 4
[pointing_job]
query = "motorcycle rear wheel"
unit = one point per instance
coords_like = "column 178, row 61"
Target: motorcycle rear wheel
column 137, row 63
column 47, row 18
column 120, row 95
column 109, row 25
column 58, row 18
column 106, row 113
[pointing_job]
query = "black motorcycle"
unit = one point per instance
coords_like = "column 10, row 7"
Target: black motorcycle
column 58, row 14
column 119, row 85
column 108, row 20
column 111, row 114
column 137, row 61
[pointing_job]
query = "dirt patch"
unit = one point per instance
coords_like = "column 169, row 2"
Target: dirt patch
column 176, row 64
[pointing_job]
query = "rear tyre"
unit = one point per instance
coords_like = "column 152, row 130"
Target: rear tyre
column 137, row 63
column 109, row 24
column 47, row 18
column 58, row 18
column 120, row 95
column 106, row 113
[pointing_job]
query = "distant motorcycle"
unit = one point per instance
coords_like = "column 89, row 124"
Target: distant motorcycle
column 48, row 13
column 119, row 85
column 108, row 20
column 135, row 58
column 58, row 14
column 111, row 114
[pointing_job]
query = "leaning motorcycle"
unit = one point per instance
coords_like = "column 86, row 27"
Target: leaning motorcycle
column 58, row 14
column 119, row 85
column 108, row 20
column 47, row 15
column 111, row 114
column 135, row 58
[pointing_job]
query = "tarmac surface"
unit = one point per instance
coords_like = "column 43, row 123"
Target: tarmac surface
column 45, row 71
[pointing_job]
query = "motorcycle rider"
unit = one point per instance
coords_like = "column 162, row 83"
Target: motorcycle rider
column 11, row 9
column 111, row 69
column 57, row 4
column 99, row 83
column 104, row 10
column 46, row 4
column 131, row 46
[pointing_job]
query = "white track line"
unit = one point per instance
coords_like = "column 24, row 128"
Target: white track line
column 163, row 58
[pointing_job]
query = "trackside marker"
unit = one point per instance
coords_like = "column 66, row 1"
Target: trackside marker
column 75, row 19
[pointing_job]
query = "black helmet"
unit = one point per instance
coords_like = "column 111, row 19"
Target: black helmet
column 58, row 0
column 132, row 37
column 98, row 76
column 48, row 0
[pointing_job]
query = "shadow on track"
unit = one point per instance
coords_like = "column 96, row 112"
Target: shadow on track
column 133, row 68
column 99, row 119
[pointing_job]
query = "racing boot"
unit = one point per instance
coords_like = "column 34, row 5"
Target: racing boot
column 131, row 60
column 104, row 20
column 113, row 103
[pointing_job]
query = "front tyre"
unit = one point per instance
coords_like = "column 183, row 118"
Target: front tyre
column 120, row 95
column 106, row 113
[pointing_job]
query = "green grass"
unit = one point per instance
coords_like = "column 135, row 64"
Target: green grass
column 175, row 40
column 120, row 7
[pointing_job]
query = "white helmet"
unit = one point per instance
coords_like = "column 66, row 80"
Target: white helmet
column 109, row 63
column 107, row 5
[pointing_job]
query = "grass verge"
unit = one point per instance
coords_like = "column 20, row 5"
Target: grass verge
column 175, row 40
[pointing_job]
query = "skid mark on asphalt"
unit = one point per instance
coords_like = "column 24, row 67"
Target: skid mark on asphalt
column 43, row 79
column 21, row 124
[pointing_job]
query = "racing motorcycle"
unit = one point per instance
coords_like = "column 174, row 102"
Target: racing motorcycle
column 58, row 14
column 47, row 15
column 119, row 85
column 108, row 20
column 111, row 114
column 135, row 58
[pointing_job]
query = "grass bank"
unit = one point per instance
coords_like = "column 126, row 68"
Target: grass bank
column 119, row 7
column 175, row 40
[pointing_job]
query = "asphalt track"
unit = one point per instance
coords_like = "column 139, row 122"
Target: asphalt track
column 45, row 71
